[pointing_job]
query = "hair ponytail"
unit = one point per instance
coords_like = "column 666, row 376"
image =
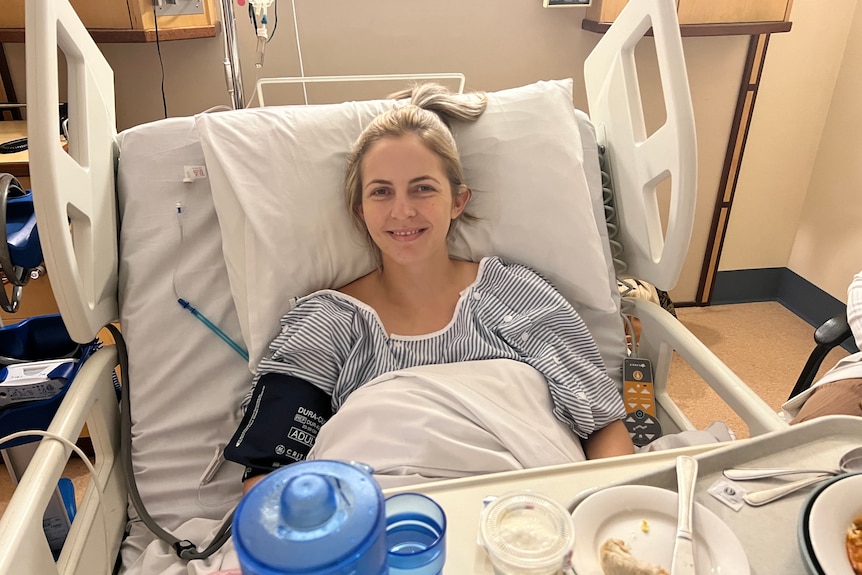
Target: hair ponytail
column 447, row 105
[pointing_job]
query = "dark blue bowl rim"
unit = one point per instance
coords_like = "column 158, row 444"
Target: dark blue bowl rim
column 803, row 537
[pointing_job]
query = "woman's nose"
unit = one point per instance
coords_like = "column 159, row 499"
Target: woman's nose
column 402, row 206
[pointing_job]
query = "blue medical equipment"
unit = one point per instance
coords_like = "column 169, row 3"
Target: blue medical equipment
column 38, row 357
column 20, row 251
column 39, row 362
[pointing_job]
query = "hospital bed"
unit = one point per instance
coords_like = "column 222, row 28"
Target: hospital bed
column 180, row 208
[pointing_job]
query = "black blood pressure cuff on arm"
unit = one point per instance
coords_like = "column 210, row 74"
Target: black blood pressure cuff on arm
column 280, row 424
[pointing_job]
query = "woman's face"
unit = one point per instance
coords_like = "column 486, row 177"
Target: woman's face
column 407, row 201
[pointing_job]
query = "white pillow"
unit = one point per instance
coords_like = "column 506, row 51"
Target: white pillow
column 276, row 175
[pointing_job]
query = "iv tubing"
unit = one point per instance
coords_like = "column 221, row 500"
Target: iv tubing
column 214, row 328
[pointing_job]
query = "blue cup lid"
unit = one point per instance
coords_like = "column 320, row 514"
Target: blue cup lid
column 312, row 517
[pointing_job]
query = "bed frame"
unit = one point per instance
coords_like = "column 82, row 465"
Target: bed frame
column 76, row 210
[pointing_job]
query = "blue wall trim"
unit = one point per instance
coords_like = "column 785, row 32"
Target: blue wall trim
column 744, row 286
column 788, row 288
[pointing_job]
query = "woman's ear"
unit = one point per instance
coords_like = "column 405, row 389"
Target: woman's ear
column 357, row 209
column 460, row 200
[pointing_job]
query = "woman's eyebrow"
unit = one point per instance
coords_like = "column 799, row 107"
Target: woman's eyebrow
column 420, row 178
column 379, row 181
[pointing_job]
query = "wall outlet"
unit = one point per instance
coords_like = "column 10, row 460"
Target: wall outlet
column 178, row 7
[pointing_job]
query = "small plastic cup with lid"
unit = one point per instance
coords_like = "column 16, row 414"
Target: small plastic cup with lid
column 415, row 535
column 527, row 533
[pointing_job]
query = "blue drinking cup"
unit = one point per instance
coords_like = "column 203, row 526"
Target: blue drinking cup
column 415, row 535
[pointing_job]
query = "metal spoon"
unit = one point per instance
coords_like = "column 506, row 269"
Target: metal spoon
column 850, row 461
column 748, row 473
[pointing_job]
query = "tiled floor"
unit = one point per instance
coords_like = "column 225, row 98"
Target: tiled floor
column 765, row 344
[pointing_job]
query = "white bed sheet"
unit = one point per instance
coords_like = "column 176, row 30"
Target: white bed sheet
column 185, row 383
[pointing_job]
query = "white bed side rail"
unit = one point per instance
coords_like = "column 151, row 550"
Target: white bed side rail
column 638, row 164
column 23, row 545
column 661, row 335
column 74, row 196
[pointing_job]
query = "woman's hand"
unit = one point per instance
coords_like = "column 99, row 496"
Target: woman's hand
column 609, row 441
column 251, row 482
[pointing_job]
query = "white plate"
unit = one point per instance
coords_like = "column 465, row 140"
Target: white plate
column 831, row 513
column 619, row 512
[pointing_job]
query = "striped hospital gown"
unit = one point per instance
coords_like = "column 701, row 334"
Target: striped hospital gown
column 338, row 343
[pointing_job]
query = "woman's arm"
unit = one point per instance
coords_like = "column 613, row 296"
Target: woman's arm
column 611, row 440
column 279, row 426
column 251, row 482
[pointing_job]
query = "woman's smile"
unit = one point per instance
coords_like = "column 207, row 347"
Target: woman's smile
column 406, row 235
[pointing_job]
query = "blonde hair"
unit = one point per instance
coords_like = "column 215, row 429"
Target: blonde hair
column 427, row 115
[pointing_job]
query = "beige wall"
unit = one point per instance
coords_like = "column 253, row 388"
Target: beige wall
column 788, row 174
column 512, row 42
column 827, row 248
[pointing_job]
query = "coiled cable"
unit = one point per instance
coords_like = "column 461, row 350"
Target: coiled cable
column 611, row 219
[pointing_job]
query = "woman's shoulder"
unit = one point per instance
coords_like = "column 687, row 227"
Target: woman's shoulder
column 360, row 287
column 496, row 271
column 515, row 287
column 322, row 308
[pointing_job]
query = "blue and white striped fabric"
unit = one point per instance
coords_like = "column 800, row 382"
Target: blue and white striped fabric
column 338, row 343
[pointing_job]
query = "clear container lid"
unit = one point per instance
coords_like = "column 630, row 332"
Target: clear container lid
column 526, row 532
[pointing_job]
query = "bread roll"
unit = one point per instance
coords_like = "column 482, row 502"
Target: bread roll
column 854, row 545
column 617, row 559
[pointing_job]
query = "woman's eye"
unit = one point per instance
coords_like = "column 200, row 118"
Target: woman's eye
column 425, row 188
column 379, row 192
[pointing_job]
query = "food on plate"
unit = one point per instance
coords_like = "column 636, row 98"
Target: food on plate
column 854, row 545
column 617, row 559
column 645, row 526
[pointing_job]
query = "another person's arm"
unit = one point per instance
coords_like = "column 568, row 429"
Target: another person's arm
column 609, row 441
column 854, row 308
column 837, row 396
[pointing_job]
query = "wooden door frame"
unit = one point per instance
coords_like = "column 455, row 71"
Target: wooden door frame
column 732, row 165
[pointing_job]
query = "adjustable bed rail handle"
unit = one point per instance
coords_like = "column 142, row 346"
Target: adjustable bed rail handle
column 639, row 163
column 75, row 200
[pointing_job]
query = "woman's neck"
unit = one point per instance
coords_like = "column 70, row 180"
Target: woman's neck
column 422, row 282
column 414, row 300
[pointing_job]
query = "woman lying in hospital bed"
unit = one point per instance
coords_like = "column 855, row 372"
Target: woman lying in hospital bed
column 337, row 381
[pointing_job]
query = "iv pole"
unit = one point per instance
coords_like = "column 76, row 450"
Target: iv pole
column 232, row 70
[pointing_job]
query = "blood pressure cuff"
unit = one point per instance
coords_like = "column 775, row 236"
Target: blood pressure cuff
column 280, row 424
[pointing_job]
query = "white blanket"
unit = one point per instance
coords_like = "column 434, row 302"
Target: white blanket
column 452, row 420
column 416, row 425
